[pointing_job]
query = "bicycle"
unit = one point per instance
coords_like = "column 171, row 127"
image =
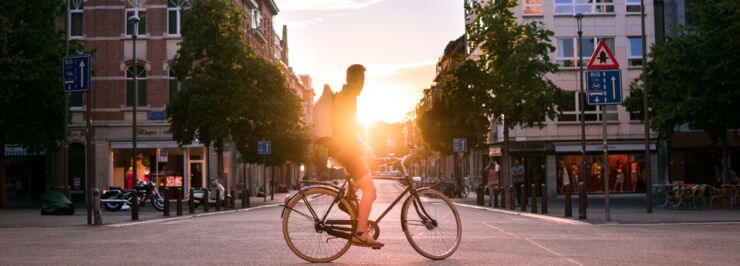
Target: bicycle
column 317, row 232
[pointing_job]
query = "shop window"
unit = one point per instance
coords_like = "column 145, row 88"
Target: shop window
column 140, row 74
column 626, row 172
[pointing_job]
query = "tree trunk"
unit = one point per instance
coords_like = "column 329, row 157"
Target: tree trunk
column 507, row 182
column 220, row 160
column 3, row 189
column 725, row 158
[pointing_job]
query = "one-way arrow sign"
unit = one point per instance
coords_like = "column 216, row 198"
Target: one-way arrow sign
column 76, row 73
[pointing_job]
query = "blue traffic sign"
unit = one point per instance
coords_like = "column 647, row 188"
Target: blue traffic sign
column 264, row 147
column 460, row 144
column 604, row 87
column 76, row 73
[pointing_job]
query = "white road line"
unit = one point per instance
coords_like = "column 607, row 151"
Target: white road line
column 188, row 217
column 534, row 243
column 537, row 216
column 669, row 224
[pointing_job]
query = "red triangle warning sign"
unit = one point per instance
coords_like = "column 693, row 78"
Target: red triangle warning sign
column 602, row 58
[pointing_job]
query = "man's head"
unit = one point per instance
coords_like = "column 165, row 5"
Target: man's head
column 356, row 77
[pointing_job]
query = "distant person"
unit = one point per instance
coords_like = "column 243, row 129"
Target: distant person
column 517, row 177
column 493, row 179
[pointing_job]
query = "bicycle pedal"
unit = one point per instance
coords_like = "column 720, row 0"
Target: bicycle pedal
column 376, row 248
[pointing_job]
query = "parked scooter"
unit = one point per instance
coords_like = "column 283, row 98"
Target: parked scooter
column 115, row 198
column 215, row 186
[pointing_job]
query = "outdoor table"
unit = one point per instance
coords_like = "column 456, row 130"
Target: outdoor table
column 675, row 191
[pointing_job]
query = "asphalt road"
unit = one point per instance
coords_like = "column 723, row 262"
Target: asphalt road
column 255, row 237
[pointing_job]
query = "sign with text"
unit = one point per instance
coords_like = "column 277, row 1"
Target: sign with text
column 460, row 145
column 264, row 147
column 604, row 87
column 76, row 73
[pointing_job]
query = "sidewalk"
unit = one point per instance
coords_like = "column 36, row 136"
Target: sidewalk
column 625, row 209
column 31, row 217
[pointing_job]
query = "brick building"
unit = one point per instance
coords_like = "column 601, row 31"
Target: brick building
column 101, row 25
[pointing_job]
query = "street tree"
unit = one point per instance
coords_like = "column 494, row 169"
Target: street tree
column 514, row 61
column 31, row 97
column 694, row 77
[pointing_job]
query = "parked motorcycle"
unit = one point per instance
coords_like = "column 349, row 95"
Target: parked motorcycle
column 114, row 198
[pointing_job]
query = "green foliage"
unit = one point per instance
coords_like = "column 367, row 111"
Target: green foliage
column 229, row 92
column 694, row 77
column 514, row 64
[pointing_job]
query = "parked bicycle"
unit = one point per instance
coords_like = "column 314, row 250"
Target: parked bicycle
column 319, row 220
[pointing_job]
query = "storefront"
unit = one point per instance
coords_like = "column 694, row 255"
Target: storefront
column 162, row 162
column 25, row 174
column 626, row 167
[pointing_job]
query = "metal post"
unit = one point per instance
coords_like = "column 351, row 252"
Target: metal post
column 96, row 207
column 135, row 207
column 191, row 201
column 232, row 200
column 205, row 200
column 582, row 194
column 534, row 197
column 605, row 167
column 179, row 201
column 523, row 198
column 65, row 158
column 218, row 200
column 513, row 198
column 166, row 202
column 646, row 115
column 264, row 179
column 544, row 198
column 90, row 177
column 581, row 105
column 568, row 202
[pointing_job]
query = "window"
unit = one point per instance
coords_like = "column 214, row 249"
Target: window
column 174, row 15
column 140, row 73
column 132, row 10
column 633, row 6
column 572, row 112
column 584, row 6
column 256, row 19
column 75, row 18
column 567, row 52
column 532, row 7
column 634, row 57
column 636, row 116
column 174, row 86
column 75, row 99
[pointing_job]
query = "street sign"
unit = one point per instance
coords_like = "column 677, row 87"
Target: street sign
column 460, row 144
column 264, row 147
column 76, row 73
column 602, row 58
column 604, row 87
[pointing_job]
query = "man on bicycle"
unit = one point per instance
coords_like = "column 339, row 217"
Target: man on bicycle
column 351, row 152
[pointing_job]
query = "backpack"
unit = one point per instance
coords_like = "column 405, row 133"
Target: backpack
column 323, row 121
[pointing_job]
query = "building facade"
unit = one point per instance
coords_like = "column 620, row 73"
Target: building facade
column 102, row 26
column 553, row 152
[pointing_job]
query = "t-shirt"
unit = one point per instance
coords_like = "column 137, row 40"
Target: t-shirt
column 517, row 173
column 345, row 118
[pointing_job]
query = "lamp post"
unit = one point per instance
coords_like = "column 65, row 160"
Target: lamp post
column 135, row 204
column 648, row 180
column 581, row 104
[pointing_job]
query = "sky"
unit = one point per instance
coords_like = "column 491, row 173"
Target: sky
column 398, row 41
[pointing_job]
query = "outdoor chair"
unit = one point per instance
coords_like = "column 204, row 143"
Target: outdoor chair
column 713, row 194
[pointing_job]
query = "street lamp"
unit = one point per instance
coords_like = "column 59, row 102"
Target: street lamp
column 581, row 107
column 135, row 204
column 646, row 121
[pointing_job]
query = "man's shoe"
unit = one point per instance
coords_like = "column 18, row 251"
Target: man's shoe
column 365, row 240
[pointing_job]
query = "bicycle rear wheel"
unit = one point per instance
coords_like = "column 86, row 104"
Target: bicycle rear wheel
column 431, row 224
column 308, row 237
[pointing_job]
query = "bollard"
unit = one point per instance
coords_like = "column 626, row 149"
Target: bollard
column 232, row 200
column 502, row 202
column 179, row 201
column 191, row 201
column 135, row 205
column 534, row 197
column 582, row 200
column 523, row 198
column 204, row 200
column 512, row 197
column 218, row 200
column 494, row 194
column 246, row 195
column 480, row 194
column 96, row 207
column 544, row 199
column 166, row 201
column 568, row 203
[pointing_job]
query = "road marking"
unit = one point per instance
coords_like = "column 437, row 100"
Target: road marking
column 669, row 224
column 534, row 243
column 188, row 216
column 531, row 215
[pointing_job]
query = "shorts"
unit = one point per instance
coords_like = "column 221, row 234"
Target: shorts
column 350, row 157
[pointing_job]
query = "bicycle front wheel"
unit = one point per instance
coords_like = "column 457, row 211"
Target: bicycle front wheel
column 310, row 238
column 431, row 224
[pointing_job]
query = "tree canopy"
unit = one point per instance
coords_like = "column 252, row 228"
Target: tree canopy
column 31, row 96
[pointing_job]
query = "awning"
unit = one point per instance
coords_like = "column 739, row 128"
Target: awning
column 16, row 150
column 590, row 147
column 151, row 144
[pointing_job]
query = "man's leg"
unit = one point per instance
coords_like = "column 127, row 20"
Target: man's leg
column 367, row 186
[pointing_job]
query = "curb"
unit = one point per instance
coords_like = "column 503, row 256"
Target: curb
column 188, row 216
column 531, row 215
